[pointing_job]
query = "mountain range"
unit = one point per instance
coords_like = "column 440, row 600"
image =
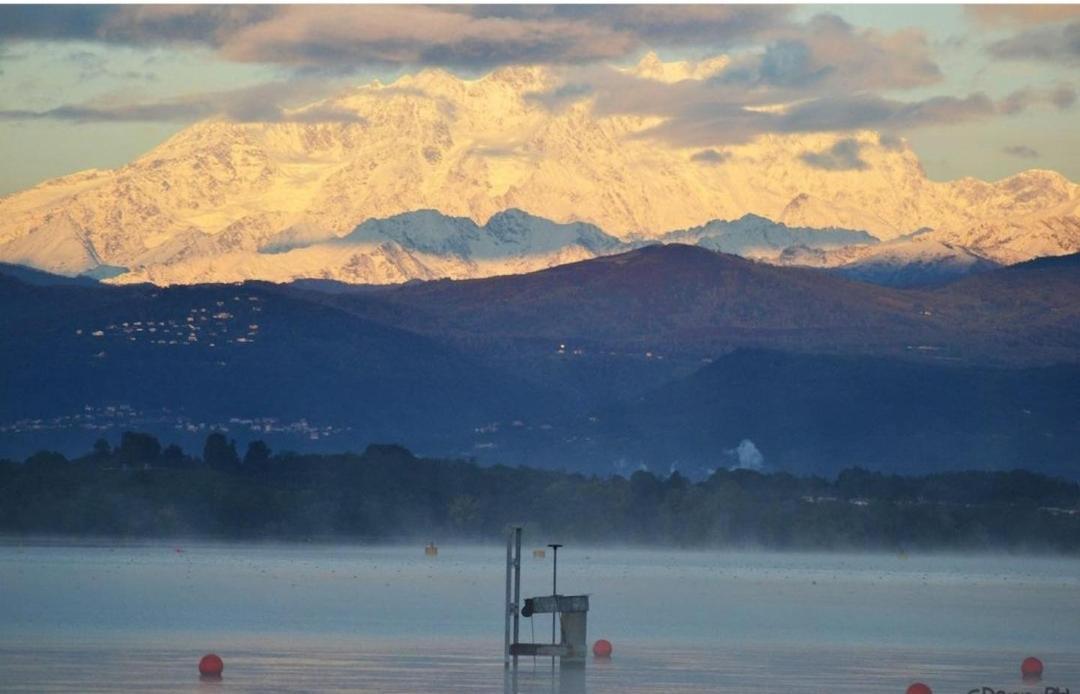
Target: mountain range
column 467, row 268
column 343, row 189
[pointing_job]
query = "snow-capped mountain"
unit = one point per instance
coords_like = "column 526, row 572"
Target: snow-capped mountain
column 919, row 261
column 425, row 244
column 920, row 258
column 219, row 200
column 755, row 237
column 507, row 234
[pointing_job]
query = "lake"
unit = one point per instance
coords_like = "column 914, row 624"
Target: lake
column 316, row 617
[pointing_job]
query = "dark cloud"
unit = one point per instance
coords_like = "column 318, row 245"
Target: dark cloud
column 829, row 73
column 175, row 111
column 789, row 63
column 1056, row 44
column 1061, row 97
column 785, row 63
column 1022, row 151
column 480, row 36
column 842, row 156
column 710, row 156
column 709, row 123
column 58, row 23
column 890, row 141
column 869, row 111
column 271, row 102
column 128, row 24
column 713, row 123
column 729, row 110
column 93, row 66
column 418, row 35
column 829, row 53
column 683, row 24
column 869, row 58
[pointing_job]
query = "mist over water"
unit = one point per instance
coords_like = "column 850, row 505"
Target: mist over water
column 136, row 617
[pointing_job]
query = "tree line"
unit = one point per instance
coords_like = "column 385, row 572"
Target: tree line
column 139, row 488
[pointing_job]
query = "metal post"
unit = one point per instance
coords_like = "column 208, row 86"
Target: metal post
column 508, row 606
column 554, row 585
column 517, row 585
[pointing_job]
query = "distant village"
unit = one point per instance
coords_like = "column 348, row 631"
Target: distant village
column 118, row 417
column 211, row 326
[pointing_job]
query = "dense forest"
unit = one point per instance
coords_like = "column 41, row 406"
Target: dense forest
column 141, row 489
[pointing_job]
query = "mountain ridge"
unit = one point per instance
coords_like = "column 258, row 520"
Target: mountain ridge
column 220, row 190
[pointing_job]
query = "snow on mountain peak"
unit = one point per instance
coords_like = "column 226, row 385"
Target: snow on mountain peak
column 210, row 198
column 756, row 237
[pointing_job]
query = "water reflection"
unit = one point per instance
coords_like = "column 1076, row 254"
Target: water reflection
column 560, row 679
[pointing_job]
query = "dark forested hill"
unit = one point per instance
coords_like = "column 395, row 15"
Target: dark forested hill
column 662, row 356
column 814, row 413
column 201, row 357
column 679, row 300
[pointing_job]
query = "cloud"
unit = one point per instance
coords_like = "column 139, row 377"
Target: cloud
column 127, row 24
column 1056, row 44
column 822, row 74
column 563, row 95
column 710, row 156
column 1022, row 151
column 819, row 76
column 174, row 111
column 787, row 63
column 269, row 102
column 727, row 110
column 61, row 22
column 829, row 53
column 842, row 156
column 1012, row 15
column 710, row 123
column 1061, row 97
column 93, row 66
column 485, row 36
column 341, row 36
column 869, row 111
column 890, row 141
column 683, row 24
column 417, row 35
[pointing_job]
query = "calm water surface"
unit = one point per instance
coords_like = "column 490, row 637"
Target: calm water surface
column 91, row 618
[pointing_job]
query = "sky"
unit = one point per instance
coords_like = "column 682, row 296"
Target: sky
column 982, row 91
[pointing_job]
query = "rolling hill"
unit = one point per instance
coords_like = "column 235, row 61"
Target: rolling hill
column 660, row 356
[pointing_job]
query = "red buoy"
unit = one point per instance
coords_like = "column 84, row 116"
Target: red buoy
column 211, row 666
column 919, row 688
column 602, row 649
column 1031, row 668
